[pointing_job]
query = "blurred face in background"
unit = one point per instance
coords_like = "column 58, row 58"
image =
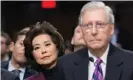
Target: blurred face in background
column 77, row 39
column 44, row 50
column 18, row 51
column 96, row 28
column 4, row 46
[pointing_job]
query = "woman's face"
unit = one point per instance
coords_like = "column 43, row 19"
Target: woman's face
column 44, row 50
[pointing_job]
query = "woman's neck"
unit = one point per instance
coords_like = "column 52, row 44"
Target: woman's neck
column 50, row 66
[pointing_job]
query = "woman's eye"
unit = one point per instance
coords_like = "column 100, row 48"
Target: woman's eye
column 21, row 43
column 36, row 48
column 47, row 44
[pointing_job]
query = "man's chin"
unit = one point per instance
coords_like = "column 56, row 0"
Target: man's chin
column 95, row 47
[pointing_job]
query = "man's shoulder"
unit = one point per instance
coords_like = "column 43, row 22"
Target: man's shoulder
column 73, row 56
column 4, row 74
column 126, row 54
column 4, row 64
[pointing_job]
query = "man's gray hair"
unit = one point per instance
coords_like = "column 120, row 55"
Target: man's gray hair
column 95, row 5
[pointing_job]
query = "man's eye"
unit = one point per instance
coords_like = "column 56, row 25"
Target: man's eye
column 85, row 25
column 100, row 24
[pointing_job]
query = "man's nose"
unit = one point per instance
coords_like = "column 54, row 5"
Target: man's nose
column 94, row 30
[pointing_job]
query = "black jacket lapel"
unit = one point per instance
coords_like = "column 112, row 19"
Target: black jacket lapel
column 28, row 72
column 81, row 66
column 114, row 64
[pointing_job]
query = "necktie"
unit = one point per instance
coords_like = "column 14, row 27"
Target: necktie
column 17, row 72
column 98, row 74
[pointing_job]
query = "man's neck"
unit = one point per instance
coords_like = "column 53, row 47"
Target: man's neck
column 99, row 52
column 15, row 64
column 78, row 47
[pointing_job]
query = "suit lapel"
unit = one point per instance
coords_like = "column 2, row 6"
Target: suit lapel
column 81, row 66
column 28, row 73
column 114, row 64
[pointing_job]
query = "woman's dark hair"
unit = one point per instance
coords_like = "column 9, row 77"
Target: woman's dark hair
column 35, row 30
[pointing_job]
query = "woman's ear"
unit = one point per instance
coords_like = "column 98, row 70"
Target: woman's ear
column 11, row 46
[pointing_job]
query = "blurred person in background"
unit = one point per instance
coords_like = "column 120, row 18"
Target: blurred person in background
column 68, row 47
column 43, row 45
column 114, row 39
column 25, row 29
column 5, row 42
column 77, row 39
column 18, row 62
column 6, row 75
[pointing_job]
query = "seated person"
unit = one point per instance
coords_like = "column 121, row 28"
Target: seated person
column 5, row 73
column 77, row 39
column 43, row 45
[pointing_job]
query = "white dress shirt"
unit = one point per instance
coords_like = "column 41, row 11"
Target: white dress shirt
column 11, row 68
column 103, row 64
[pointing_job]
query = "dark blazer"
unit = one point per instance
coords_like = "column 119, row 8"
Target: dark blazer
column 49, row 74
column 5, row 75
column 28, row 71
column 119, row 65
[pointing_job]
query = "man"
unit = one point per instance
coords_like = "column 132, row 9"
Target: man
column 114, row 39
column 18, row 63
column 5, row 42
column 100, row 60
column 6, row 75
column 77, row 39
column 68, row 47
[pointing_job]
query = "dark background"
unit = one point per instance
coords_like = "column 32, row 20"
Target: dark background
column 19, row 14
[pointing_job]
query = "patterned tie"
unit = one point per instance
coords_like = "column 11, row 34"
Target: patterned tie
column 17, row 72
column 98, row 74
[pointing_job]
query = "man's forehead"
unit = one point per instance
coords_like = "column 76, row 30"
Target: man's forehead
column 95, row 13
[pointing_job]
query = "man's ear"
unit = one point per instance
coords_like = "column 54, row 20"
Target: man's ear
column 112, row 29
column 72, row 41
column 11, row 46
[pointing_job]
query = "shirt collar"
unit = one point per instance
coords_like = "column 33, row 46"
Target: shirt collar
column 11, row 68
column 103, row 57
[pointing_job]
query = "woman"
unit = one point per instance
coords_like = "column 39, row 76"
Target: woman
column 43, row 44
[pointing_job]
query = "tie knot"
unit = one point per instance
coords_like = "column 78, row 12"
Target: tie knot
column 16, row 71
column 98, row 61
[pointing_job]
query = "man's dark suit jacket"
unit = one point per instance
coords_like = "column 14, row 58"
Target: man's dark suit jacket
column 6, row 75
column 28, row 72
column 119, row 65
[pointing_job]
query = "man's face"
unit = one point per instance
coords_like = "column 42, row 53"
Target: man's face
column 18, row 50
column 4, row 47
column 78, row 37
column 96, row 29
